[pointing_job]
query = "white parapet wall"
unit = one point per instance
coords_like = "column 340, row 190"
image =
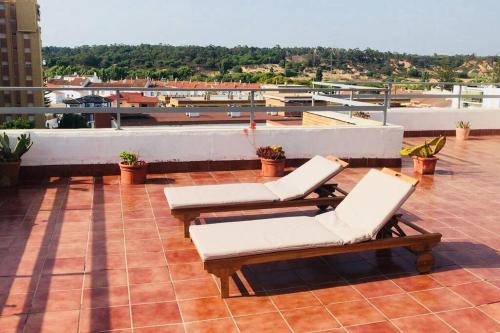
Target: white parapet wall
column 440, row 119
column 101, row 146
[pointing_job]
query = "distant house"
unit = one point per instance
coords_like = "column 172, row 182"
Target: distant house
column 473, row 96
column 282, row 99
column 102, row 88
column 88, row 102
column 97, row 120
column 70, row 81
column 135, row 100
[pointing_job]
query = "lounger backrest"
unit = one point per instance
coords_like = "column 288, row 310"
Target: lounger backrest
column 368, row 207
column 305, row 179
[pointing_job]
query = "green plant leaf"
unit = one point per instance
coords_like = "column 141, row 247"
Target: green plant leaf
column 440, row 144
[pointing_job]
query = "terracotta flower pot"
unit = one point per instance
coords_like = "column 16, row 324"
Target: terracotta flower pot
column 9, row 173
column 424, row 165
column 462, row 134
column 133, row 174
column 273, row 168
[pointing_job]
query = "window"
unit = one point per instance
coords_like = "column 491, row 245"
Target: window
column 5, row 78
column 31, row 117
column 27, row 50
column 2, row 6
column 3, row 49
column 26, row 36
column 2, row 35
column 2, row 21
column 29, row 78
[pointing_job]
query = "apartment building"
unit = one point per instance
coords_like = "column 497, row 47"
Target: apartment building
column 20, row 55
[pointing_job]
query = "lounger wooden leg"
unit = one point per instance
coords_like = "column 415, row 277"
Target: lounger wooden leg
column 224, row 286
column 224, row 275
column 425, row 262
column 186, row 220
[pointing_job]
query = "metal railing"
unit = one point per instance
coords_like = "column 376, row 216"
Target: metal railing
column 252, row 109
column 393, row 95
column 348, row 96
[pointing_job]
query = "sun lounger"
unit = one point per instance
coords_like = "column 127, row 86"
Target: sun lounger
column 188, row 202
column 365, row 220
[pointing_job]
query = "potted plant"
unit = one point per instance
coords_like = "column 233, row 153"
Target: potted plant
column 424, row 159
column 10, row 161
column 462, row 130
column 273, row 160
column 132, row 170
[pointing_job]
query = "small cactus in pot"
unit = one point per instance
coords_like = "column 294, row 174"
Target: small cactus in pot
column 273, row 160
column 10, row 160
column 132, row 170
column 462, row 130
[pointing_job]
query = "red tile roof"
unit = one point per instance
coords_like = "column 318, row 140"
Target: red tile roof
column 205, row 85
column 140, row 83
column 136, row 98
column 78, row 82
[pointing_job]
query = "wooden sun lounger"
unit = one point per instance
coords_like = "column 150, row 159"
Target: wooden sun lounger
column 328, row 195
column 390, row 236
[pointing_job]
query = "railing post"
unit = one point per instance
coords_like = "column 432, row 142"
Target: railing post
column 389, row 96
column 118, row 115
column 459, row 96
column 386, row 106
column 252, row 105
column 351, row 98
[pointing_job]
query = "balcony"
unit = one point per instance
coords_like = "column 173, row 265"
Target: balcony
column 85, row 254
column 79, row 252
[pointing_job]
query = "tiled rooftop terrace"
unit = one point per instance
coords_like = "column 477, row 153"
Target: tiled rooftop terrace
column 85, row 255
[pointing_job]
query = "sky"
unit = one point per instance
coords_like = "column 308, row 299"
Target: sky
column 411, row 26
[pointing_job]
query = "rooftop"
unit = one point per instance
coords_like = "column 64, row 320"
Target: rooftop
column 135, row 98
column 86, row 254
column 87, row 99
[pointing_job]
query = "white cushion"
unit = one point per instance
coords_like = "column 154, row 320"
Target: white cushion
column 305, row 179
column 215, row 195
column 367, row 208
column 235, row 239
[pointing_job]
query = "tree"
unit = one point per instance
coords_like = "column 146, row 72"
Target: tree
column 424, row 76
column 73, row 120
column 225, row 65
column 115, row 62
column 446, row 74
column 495, row 76
column 184, row 73
column 414, row 72
column 319, row 75
column 18, row 123
column 290, row 72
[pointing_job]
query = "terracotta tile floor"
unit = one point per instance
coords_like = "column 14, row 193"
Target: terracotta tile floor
column 87, row 255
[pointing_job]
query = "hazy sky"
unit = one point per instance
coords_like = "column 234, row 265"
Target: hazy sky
column 412, row 26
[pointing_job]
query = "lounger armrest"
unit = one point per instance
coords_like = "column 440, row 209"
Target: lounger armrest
column 335, row 159
column 406, row 178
